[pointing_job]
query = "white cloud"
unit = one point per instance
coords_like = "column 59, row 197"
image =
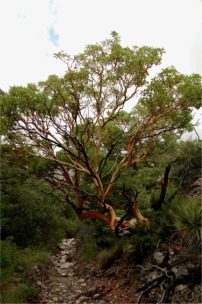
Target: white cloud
column 32, row 30
column 26, row 52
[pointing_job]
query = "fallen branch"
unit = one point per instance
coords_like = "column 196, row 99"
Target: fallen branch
column 165, row 282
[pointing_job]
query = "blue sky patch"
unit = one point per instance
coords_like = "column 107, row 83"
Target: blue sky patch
column 53, row 37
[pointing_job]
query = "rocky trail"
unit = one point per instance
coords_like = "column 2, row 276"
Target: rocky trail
column 68, row 281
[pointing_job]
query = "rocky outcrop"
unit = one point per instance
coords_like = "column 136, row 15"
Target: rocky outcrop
column 196, row 189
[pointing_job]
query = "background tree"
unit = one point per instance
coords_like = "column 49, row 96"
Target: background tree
column 77, row 124
column 32, row 212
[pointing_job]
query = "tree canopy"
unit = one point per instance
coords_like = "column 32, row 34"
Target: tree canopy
column 105, row 115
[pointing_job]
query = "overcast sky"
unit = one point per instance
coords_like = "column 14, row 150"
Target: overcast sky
column 31, row 31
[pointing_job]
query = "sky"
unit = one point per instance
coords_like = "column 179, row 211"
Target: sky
column 31, row 31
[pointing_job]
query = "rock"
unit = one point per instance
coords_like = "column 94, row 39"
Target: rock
column 55, row 299
column 64, row 290
column 180, row 272
column 41, row 266
column 153, row 275
column 63, row 274
column 82, row 299
column 92, row 290
column 129, row 249
column 190, row 266
column 158, row 257
column 66, row 265
column 124, row 282
column 96, row 296
column 19, row 269
column 110, row 272
column 180, row 287
column 62, row 246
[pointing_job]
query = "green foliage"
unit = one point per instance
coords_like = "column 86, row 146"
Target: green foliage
column 144, row 240
column 7, row 252
column 107, row 257
column 72, row 131
column 11, row 257
column 15, row 289
column 102, row 236
column 17, row 294
column 31, row 212
column 28, row 257
column 72, row 227
column 188, row 167
column 88, row 251
column 186, row 218
column 92, row 237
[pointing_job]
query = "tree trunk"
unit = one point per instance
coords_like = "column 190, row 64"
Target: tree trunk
column 156, row 205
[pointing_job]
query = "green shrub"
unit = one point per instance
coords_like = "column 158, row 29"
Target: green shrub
column 72, row 227
column 107, row 257
column 17, row 294
column 103, row 237
column 93, row 236
column 186, row 219
column 89, row 251
column 7, row 252
column 13, row 258
column 31, row 212
column 144, row 240
column 29, row 257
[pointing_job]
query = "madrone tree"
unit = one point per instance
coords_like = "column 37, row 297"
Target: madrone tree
column 75, row 132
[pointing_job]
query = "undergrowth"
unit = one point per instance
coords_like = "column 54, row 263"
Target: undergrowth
column 17, row 266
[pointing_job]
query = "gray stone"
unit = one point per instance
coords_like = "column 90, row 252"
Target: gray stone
column 64, row 290
column 181, row 287
column 19, row 269
column 93, row 289
column 158, row 257
column 110, row 272
column 124, row 282
column 66, row 265
column 180, row 272
column 190, row 266
column 63, row 274
column 82, row 299
column 55, row 299
column 96, row 296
